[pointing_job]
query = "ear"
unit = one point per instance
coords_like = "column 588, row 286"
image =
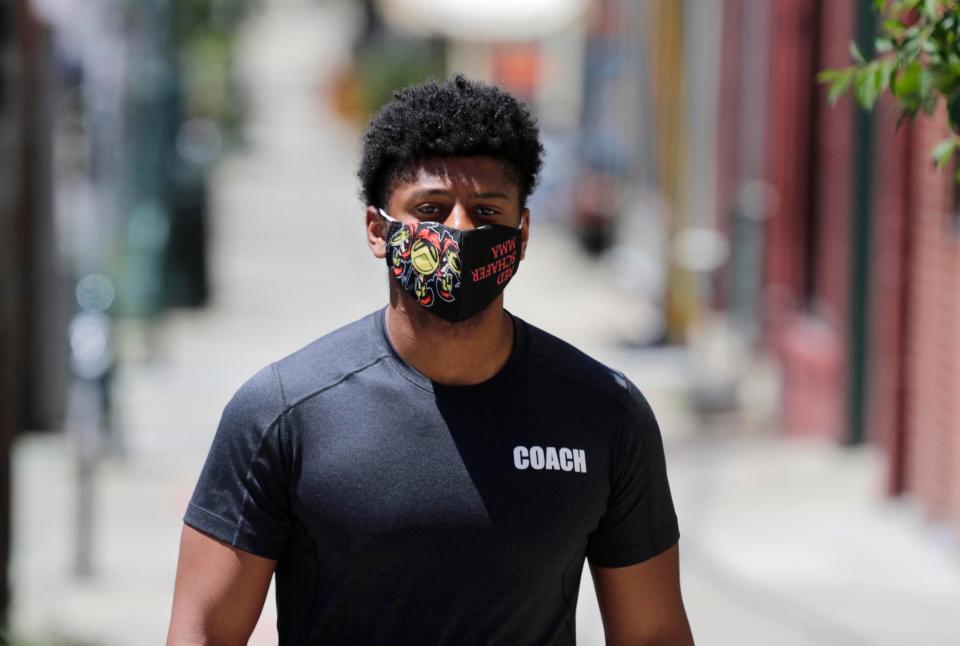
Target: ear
column 524, row 232
column 376, row 232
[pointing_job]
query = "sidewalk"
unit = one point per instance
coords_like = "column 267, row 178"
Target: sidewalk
column 784, row 542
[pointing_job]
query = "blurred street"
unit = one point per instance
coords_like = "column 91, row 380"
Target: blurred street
column 787, row 542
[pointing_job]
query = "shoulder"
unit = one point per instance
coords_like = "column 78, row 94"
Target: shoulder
column 562, row 360
column 329, row 359
column 322, row 363
column 257, row 402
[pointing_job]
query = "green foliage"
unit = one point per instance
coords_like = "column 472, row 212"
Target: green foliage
column 917, row 60
column 204, row 37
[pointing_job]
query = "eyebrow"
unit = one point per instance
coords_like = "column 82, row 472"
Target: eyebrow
column 430, row 191
column 488, row 195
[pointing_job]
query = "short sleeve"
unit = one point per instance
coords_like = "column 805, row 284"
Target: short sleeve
column 640, row 521
column 241, row 496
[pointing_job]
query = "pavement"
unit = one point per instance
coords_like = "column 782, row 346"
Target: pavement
column 784, row 541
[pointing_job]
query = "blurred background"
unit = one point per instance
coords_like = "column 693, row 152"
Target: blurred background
column 781, row 278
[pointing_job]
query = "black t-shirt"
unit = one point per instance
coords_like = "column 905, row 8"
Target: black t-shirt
column 403, row 511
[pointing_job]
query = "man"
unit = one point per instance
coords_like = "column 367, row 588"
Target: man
column 436, row 472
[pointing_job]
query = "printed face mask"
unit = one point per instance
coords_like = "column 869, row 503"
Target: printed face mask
column 452, row 273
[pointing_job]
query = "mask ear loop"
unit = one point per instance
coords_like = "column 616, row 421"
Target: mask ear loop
column 384, row 214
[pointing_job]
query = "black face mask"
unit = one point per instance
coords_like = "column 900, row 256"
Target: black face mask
column 452, row 273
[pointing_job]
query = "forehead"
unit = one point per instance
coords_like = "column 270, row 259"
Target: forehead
column 459, row 173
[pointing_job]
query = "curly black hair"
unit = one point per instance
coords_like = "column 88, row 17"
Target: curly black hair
column 457, row 117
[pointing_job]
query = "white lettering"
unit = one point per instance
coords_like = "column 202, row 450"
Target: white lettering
column 521, row 458
column 536, row 457
column 579, row 461
column 553, row 464
column 550, row 458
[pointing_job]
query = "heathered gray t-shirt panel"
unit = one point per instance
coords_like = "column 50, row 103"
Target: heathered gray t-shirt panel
column 241, row 497
column 402, row 511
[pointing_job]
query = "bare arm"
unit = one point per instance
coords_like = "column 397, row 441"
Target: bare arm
column 219, row 592
column 641, row 604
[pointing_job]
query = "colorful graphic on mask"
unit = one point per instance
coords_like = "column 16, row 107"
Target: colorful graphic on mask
column 429, row 258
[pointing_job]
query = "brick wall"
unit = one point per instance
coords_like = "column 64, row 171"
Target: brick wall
column 788, row 125
column 954, row 386
column 913, row 397
column 831, row 203
column 933, row 333
column 834, row 155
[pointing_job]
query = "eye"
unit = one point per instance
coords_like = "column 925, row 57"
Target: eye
column 429, row 210
column 485, row 211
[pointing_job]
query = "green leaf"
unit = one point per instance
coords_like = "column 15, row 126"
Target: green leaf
column 907, row 84
column 893, row 29
column 829, row 75
column 856, row 54
column 953, row 112
column 943, row 82
column 865, row 86
column 929, row 104
column 930, row 8
column 943, row 152
column 839, row 81
column 926, row 84
column 904, row 117
column 839, row 88
column 887, row 68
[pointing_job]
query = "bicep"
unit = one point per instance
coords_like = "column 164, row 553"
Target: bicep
column 641, row 604
column 219, row 591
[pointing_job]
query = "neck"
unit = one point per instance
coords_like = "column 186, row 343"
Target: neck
column 455, row 354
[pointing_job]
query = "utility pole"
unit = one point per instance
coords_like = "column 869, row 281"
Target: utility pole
column 861, row 234
column 11, row 305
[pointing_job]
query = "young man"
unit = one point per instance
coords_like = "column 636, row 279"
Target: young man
column 436, row 472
